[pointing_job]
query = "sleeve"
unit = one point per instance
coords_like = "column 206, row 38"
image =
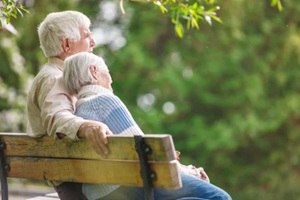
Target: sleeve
column 57, row 108
column 118, row 118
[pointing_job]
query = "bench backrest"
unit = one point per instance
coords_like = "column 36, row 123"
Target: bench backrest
column 75, row 161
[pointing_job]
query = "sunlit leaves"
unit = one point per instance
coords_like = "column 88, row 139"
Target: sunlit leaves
column 9, row 9
column 162, row 8
column 187, row 14
column 184, row 14
column 277, row 3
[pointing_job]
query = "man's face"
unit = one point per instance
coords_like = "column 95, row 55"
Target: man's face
column 85, row 44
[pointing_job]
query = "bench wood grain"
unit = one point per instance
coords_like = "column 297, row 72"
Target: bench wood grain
column 75, row 161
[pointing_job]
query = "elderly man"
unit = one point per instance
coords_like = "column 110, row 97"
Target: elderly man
column 50, row 107
column 87, row 76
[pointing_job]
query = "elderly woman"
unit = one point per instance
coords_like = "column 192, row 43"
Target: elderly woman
column 87, row 76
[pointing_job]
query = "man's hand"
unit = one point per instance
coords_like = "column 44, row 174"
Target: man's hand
column 96, row 133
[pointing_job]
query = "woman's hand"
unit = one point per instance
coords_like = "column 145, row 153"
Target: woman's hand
column 194, row 171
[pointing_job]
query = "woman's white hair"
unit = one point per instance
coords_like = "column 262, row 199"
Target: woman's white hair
column 77, row 70
column 59, row 25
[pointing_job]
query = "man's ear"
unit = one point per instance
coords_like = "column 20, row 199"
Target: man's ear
column 94, row 71
column 65, row 45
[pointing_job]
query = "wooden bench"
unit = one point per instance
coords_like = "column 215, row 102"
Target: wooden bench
column 147, row 161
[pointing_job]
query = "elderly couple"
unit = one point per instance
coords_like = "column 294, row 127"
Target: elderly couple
column 73, row 78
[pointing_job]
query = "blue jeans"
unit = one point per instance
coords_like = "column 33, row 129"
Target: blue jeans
column 192, row 189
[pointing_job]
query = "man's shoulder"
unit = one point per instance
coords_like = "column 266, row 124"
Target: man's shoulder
column 47, row 73
column 45, row 79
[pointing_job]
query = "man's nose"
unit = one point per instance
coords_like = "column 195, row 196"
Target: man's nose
column 92, row 42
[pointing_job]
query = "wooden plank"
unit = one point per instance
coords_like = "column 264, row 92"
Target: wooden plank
column 121, row 147
column 51, row 196
column 43, row 198
column 93, row 171
column 54, row 194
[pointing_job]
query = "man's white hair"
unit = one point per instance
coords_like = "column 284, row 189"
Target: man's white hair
column 59, row 25
column 77, row 70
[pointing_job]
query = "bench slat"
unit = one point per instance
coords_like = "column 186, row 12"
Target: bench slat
column 43, row 198
column 50, row 196
column 93, row 171
column 121, row 147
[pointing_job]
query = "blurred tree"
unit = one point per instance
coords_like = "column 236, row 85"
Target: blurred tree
column 229, row 94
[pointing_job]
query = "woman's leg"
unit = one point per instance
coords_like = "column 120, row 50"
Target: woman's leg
column 193, row 188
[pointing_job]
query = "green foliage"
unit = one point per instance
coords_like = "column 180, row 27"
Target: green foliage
column 188, row 13
column 9, row 9
column 235, row 89
column 183, row 14
column 13, row 77
column 234, row 86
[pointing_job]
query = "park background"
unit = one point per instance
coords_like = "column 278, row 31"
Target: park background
column 228, row 93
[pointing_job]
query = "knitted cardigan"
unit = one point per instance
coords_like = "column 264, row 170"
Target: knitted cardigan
column 100, row 104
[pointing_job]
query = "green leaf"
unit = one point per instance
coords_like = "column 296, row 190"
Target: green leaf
column 13, row 15
column 162, row 8
column 216, row 18
column 23, row 9
column 277, row 3
column 195, row 23
column 7, row 20
column 179, row 29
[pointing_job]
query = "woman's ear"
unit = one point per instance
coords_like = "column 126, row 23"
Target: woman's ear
column 94, row 72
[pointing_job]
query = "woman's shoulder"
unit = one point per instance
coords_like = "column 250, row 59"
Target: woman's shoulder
column 108, row 99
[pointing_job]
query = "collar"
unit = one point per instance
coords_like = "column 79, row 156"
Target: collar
column 56, row 62
column 91, row 90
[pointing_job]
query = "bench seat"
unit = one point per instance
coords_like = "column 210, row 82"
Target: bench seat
column 147, row 161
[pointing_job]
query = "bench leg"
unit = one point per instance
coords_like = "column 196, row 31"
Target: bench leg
column 147, row 174
column 3, row 168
